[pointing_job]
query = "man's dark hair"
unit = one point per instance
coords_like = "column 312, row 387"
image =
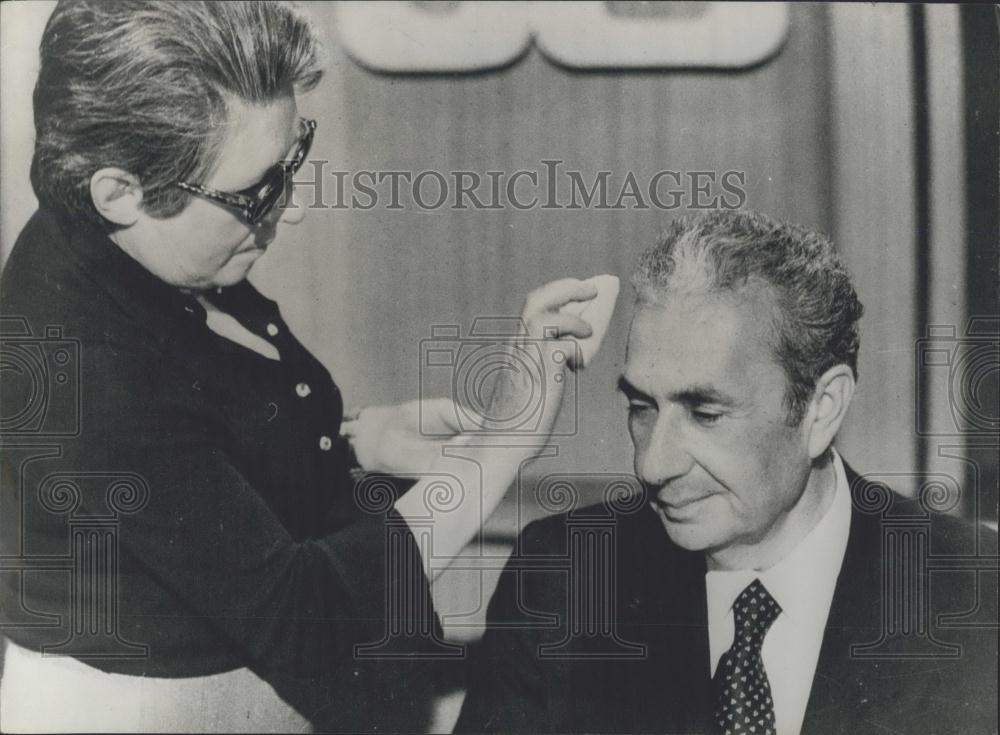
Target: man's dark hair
column 816, row 308
column 144, row 85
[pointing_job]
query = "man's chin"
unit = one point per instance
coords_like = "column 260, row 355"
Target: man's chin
column 686, row 532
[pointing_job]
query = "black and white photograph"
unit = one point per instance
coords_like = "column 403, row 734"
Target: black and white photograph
column 499, row 367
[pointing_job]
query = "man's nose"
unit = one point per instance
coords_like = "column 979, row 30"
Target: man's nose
column 665, row 455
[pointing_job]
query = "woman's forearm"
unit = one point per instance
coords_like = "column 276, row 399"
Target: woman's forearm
column 446, row 508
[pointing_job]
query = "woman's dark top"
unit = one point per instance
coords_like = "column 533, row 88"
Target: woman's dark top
column 215, row 475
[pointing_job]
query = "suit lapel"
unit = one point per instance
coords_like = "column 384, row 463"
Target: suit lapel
column 665, row 609
column 843, row 686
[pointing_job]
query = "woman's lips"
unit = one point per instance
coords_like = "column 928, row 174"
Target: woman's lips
column 252, row 250
column 256, row 245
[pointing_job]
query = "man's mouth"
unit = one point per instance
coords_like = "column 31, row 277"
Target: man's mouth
column 678, row 508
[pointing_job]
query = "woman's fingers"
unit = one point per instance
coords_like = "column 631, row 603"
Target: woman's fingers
column 561, row 324
column 558, row 293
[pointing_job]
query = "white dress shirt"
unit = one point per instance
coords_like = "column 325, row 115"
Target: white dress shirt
column 802, row 583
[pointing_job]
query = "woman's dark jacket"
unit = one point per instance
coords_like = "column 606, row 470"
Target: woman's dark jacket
column 227, row 531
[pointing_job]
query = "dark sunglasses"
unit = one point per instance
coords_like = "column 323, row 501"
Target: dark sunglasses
column 257, row 200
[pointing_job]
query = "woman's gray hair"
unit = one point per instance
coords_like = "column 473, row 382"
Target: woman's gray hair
column 143, row 85
column 816, row 307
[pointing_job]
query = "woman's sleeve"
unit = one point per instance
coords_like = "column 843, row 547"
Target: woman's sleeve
column 292, row 607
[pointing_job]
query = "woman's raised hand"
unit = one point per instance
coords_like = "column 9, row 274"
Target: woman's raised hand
column 546, row 347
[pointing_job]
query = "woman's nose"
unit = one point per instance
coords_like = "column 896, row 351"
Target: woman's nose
column 292, row 212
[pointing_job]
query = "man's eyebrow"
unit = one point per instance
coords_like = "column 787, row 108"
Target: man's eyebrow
column 694, row 395
column 698, row 395
column 630, row 391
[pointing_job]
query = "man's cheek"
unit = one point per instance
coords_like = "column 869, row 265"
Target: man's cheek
column 718, row 456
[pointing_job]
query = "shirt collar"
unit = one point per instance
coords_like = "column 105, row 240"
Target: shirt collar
column 803, row 582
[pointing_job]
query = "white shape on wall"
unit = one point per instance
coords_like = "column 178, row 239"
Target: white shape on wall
column 457, row 37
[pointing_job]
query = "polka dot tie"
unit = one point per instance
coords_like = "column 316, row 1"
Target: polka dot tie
column 742, row 693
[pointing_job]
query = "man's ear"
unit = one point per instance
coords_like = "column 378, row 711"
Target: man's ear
column 117, row 195
column 832, row 397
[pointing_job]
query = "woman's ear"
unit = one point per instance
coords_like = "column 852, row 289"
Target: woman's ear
column 832, row 396
column 117, row 195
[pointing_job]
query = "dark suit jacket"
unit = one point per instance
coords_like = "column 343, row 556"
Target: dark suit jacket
column 523, row 681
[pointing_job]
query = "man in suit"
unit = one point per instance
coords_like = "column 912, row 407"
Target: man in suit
column 746, row 592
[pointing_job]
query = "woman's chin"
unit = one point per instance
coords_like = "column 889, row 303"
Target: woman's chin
column 237, row 268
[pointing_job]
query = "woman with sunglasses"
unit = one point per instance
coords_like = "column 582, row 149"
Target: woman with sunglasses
column 185, row 520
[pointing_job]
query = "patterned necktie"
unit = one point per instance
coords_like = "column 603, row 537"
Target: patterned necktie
column 741, row 691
